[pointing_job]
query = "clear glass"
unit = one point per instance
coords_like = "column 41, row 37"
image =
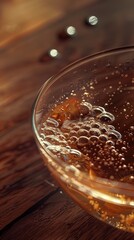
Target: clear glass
column 105, row 80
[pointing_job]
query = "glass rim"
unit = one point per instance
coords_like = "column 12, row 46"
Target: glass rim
column 84, row 177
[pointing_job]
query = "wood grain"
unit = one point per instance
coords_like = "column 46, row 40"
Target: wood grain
column 30, row 203
column 22, row 174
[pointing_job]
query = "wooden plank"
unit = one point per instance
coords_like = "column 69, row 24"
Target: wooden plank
column 58, row 218
column 24, row 179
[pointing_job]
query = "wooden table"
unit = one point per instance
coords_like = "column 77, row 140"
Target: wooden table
column 32, row 206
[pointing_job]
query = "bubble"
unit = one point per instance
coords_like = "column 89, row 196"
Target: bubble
column 94, row 131
column 52, row 139
column 95, row 125
column 106, row 117
column 73, row 138
column 114, row 135
column 80, row 124
column 103, row 138
column 72, row 125
column 93, row 139
column 83, row 132
column 110, row 143
column 82, row 141
column 52, row 122
column 61, row 136
column 124, row 149
column 42, row 135
column 57, row 149
column 66, row 135
column 114, row 152
column 86, row 127
column 103, row 129
column 66, row 124
column 73, row 133
column 89, row 105
column 111, row 127
column 76, row 128
column 75, row 154
column 85, row 109
column 132, row 128
column 66, row 129
column 73, row 169
column 46, row 143
column 98, row 110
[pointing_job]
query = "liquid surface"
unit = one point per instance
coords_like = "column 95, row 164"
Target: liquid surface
column 91, row 138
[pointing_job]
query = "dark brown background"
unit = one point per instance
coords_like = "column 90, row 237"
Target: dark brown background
column 31, row 204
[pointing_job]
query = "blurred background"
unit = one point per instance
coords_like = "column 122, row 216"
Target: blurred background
column 19, row 16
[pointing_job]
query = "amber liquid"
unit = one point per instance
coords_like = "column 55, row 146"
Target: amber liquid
column 97, row 139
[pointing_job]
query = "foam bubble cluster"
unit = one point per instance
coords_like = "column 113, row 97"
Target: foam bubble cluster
column 85, row 137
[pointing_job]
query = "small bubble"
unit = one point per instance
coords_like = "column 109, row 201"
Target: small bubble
column 52, row 122
column 83, row 132
column 95, row 125
column 106, row 104
column 66, row 135
column 123, row 149
column 103, row 138
column 93, row 139
column 86, row 127
column 82, row 141
column 73, row 133
column 111, row 177
column 84, row 110
column 52, row 139
column 46, row 143
column 110, row 143
column 94, row 131
column 75, row 154
column 132, row 128
column 76, row 128
column 92, row 87
column 111, row 127
column 103, row 129
column 73, row 138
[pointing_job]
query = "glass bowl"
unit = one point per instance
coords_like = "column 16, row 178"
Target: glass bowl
column 83, row 121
